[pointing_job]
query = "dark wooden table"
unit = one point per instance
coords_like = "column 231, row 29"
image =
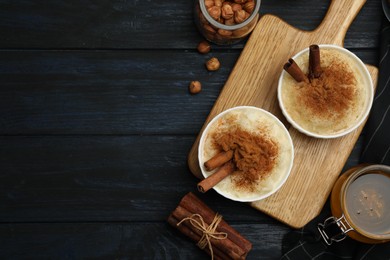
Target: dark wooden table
column 96, row 123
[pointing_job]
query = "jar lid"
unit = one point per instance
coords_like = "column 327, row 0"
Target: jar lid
column 365, row 201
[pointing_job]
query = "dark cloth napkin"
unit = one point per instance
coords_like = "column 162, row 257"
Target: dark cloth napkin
column 307, row 242
column 377, row 130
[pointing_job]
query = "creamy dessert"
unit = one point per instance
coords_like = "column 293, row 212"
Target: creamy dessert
column 335, row 102
column 262, row 152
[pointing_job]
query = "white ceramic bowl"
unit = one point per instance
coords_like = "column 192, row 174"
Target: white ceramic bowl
column 250, row 119
column 301, row 59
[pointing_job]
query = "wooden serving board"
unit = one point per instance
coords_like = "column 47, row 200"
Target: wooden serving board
column 253, row 81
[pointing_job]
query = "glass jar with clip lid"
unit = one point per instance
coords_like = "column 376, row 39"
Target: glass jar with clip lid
column 360, row 204
column 226, row 21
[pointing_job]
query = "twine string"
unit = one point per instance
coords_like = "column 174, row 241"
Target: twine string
column 208, row 232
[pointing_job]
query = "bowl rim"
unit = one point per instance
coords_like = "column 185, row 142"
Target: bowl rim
column 363, row 117
column 277, row 121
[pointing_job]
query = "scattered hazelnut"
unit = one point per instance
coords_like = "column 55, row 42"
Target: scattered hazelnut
column 227, row 12
column 204, row 47
column 195, row 87
column 213, row 64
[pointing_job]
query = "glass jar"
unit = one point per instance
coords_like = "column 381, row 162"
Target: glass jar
column 230, row 24
column 360, row 204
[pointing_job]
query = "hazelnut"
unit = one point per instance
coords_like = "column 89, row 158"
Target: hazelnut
column 209, row 29
column 227, row 12
column 209, row 3
column 224, row 32
column 241, row 32
column 247, row 15
column 221, row 20
column 214, row 12
column 249, row 7
column 213, row 64
column 204, row 47
column 230, row 21
column 210, row 36
column 195, row 87
column 239, row 16
column 236, row 7
column 240, row 1
column 218, row 3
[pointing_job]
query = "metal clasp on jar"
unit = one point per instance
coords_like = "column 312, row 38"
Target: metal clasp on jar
column 340, row 223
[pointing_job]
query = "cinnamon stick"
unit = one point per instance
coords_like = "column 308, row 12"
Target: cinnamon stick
column 193, row 204
column 216, row 177
column 191, row 234
column 314, row 61
column 226, row 246
column 218, row 160
column 293, row 69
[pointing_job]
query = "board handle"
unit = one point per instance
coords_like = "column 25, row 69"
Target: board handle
column 339, row 17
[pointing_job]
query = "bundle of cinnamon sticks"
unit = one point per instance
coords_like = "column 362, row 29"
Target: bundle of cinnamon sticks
column 224, row 241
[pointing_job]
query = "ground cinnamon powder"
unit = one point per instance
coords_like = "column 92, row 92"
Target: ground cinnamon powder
column 332, row 93
column 254, row 155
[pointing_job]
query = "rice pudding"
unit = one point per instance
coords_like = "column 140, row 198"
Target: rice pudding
column 263, row 152
column 333, row 104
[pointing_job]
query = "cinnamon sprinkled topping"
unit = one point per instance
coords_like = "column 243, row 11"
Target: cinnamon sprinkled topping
column 254, row 155
column 332, row 93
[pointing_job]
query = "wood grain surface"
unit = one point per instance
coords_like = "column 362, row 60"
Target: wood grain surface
column 96, row 123
column 253, row 81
